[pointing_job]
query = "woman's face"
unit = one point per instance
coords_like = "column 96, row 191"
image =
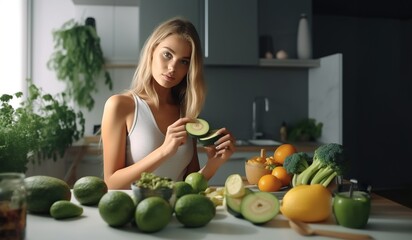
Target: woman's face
column 171, row 59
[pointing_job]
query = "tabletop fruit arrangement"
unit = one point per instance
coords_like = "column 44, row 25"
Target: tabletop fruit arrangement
column 193, row 202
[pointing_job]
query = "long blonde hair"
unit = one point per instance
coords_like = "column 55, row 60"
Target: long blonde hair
column 190, row 92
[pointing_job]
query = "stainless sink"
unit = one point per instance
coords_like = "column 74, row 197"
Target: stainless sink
column 258, row 142
column 264, row 142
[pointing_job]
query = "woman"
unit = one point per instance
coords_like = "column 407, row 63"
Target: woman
column 143, row 129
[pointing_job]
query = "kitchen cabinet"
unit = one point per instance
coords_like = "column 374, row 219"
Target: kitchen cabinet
column 228, row 35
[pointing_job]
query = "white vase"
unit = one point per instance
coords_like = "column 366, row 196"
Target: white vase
column 304, row 41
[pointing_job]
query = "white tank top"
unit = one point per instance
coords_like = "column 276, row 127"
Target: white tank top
column 145, row 136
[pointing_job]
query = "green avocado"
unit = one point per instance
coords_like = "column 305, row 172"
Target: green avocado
column 210, row 138
column 197, row 129
column 233, row 204
column 259, row 207
column 43, row 191
column 65, row 209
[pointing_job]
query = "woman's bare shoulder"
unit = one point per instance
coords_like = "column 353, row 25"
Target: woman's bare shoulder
column 120, row 102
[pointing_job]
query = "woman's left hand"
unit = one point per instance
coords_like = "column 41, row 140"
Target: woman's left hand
column 222, row 149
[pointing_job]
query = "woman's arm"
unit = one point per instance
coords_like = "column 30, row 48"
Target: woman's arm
column 114, row 131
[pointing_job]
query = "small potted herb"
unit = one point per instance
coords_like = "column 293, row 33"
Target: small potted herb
column 305, row 130
column 41, row 127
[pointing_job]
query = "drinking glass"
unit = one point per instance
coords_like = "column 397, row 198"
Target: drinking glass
column 12, row 206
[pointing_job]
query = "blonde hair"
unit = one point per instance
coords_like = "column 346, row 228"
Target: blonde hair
column 189, row 93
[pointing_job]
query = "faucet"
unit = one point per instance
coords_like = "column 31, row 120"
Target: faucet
column 255, row 133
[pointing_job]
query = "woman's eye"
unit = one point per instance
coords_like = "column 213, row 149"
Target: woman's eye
column 167, row 55
column 185, row 62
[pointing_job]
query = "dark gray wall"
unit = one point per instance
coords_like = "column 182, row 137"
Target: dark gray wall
column 231, row 91
column 280, row 20
column 376, row 94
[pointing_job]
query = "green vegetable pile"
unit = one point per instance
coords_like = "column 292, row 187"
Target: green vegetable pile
column 328, row 162
column 152, row 181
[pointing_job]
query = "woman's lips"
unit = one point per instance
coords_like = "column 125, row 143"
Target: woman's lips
column 168, row 77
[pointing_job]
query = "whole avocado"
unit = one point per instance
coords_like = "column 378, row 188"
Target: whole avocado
column 43, row 191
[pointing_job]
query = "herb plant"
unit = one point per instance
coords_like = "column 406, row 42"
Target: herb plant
column 78, row 60
column 305, row 130
column 42, row 127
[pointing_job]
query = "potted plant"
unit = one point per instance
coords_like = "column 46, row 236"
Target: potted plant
column 78, row 61
column 305, row 130
column 41, row 127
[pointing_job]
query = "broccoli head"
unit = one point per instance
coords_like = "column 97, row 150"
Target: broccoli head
column 331, row 155
column 296, row 163
column 328, row 162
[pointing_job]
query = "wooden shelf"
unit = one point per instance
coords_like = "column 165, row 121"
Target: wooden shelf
column 121, row 63
column 107, row 2
column 294, row 63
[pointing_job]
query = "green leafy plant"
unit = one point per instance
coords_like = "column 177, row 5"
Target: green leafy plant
column 305, row 130
column 41, row 127
column 78, row 60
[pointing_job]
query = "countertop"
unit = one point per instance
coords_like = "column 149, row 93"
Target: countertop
column 93, row 141
column 388, row 220
column 300, row 147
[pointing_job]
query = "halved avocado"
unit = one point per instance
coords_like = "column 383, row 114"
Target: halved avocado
column 197, row 129
column 233, row 204
column 259, row 207
column 210, row 138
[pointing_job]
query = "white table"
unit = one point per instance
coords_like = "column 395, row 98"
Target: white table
column 388, row 220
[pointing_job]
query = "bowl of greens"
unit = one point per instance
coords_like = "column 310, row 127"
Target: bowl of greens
column 150, row 185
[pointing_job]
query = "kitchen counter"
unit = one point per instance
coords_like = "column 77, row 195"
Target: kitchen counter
column 300, row 147
column 388, row 220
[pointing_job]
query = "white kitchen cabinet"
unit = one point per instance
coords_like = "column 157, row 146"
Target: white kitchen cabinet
column 117, row 27
column 228, row 35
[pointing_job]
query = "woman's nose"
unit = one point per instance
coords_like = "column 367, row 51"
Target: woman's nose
column 172, row 65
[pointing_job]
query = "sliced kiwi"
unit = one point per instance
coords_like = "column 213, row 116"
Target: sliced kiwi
column 210, row 138
column 197, row 129
column 259, row 207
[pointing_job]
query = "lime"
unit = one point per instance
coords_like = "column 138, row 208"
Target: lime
column 194, row 210
column 116, row 208
column 89, row 189
column 65, row 209
column 153, row 214
column 182, row 188
column 197, row 181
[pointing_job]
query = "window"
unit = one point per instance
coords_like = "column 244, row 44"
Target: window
column 13, row 45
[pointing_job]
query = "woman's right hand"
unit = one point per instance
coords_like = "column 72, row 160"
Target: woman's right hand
column 176, row 136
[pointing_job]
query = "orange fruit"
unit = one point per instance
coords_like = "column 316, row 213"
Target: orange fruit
column 281, row 173
column 269, row 183
column 282, row 152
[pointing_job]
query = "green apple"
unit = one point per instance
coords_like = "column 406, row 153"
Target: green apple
column 352, row 211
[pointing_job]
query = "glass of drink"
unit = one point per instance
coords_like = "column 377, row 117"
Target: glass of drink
column 12, row 206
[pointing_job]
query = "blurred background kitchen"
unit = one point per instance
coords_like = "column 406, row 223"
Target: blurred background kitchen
column 357, row 81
